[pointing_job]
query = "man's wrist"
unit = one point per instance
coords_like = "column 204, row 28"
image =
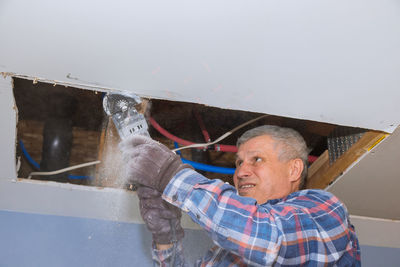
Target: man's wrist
column 163, row 246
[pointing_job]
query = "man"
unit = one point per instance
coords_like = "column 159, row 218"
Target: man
column 263, row 221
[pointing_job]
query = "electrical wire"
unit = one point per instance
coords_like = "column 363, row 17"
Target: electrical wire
column 218, row 147
column 225, row 135
column 205, row 167
column 65, row 169
column 207, row 138
column 37, row 166
column 161, row 130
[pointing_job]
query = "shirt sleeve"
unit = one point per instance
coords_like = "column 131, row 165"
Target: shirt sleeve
column 312, row 225
column 172, row 257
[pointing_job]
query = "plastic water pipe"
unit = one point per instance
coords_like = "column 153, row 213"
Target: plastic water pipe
column 37, row 166
column 205, row 167
column 218, row 147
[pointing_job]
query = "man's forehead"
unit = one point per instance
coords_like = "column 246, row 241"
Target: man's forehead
column 266, row 139
column 241, row 154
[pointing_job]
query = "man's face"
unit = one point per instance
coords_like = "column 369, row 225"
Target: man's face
column 259, row 173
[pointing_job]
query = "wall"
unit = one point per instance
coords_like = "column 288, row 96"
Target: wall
column 48, row 240
column 379, row 256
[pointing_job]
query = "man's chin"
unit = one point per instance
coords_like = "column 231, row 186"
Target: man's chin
column 246, row 193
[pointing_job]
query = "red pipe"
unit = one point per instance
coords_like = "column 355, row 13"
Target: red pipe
column 207, row 138
column 202, row 126
column 311, row 158
column 218, row 147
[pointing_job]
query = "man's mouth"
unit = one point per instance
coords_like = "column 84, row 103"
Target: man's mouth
column 245, row 186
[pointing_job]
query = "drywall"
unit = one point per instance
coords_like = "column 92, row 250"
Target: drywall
column 8, row 120
column 52, row 198
column 370, row 187
column 333, row 61
column 48, row 240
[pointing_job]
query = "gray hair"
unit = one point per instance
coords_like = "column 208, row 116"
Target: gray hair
column 291, row 144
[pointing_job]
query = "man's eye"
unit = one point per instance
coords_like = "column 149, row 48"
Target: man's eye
column 257, row 159
column 239, row 162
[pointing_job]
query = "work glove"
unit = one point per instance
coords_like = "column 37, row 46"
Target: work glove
column 161, row 218
column 149, row 163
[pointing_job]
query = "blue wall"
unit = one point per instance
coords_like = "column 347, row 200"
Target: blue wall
column 379, row 256
column 47, row 240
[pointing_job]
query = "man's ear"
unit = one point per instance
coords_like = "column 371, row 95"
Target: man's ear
column 296, row 168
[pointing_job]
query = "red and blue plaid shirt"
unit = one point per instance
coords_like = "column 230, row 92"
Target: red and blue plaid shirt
column 306, row 228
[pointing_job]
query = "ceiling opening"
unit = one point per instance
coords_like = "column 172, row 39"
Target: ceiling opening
column 61, row 126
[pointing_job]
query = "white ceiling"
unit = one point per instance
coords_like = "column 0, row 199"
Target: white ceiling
column 334, row 61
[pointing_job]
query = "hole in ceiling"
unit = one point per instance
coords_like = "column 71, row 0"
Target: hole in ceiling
column 61, row 126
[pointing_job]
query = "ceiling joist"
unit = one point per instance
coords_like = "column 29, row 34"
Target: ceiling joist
column 321, row 173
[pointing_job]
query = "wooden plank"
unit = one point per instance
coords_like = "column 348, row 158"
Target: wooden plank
column 325, row 175
column 319, row 128
column 321, row 164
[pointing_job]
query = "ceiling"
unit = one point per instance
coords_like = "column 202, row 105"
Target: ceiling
column 313, row 60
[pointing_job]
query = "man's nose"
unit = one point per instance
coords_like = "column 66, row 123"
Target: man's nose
column 244, row 170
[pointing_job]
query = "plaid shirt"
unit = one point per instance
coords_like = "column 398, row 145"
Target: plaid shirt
column 306, row 228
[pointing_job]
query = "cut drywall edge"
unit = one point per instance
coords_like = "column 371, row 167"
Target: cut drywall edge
column 370, row 150
column 114, row 204
column 174, row 96
column 8, row 122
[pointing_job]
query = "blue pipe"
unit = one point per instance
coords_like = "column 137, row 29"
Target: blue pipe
column 37, row 166
column 79, row 177
column 205, row 167
column 27, row 156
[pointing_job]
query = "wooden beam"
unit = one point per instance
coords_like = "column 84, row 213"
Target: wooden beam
column 319, row 166
column 324, row 174
column 319, row 128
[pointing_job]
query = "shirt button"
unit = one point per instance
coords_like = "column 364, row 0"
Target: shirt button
column 175, row 197
column 198, row 216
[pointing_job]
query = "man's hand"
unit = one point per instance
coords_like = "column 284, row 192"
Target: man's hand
column 149, row 162
column 159, row 216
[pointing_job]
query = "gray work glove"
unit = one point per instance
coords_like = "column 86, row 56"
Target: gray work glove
column 159, row 216
column 149, row 163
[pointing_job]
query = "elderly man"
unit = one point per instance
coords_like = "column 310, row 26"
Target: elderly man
column 263, row 221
